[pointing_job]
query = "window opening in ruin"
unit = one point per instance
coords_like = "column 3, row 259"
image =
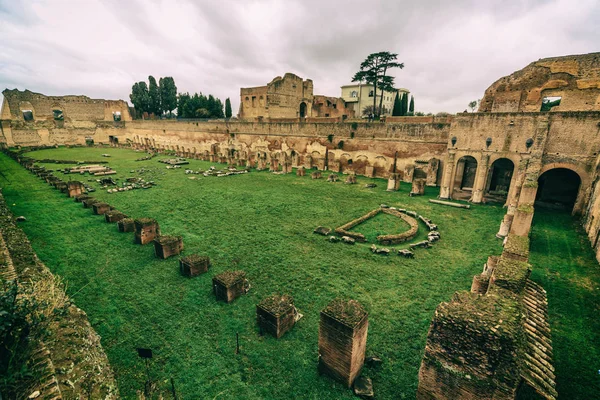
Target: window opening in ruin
column 89, row 140
column 466, row 169
column 549, row 102
column 117, row 116
column 27, row 115
column 354, row 93
column 253, row 101
column 58, row 115
column 302, row 110
column 500, row 177
column 558, row 189
column 370, row 93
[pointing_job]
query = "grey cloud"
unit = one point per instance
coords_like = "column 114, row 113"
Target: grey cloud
column 452, row 50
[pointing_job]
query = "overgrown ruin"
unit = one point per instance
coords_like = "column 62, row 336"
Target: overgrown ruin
column 491, row 342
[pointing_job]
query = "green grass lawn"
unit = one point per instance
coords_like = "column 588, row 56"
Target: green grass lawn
column 263, row 223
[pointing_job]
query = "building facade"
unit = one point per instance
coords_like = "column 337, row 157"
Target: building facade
column 359, row 96
column 290, row 97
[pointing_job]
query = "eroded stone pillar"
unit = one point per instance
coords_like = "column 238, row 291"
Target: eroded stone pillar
column 482, row 171
column 447, row 180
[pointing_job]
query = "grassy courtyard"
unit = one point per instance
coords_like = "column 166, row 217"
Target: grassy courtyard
column 263, row 223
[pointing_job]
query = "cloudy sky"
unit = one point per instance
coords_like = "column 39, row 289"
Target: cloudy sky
column 452, row 50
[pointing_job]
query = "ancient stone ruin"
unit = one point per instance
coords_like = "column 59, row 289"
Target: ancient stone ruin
column 493, row 342
column 230, row 285
column 343, row 340
column 276, row 314
column 146, row 230
column 166, row 246
column 194, row 265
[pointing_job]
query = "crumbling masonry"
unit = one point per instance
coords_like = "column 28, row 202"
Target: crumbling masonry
column 534, row 142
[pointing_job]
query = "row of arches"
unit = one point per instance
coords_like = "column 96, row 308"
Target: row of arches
column 558, row 187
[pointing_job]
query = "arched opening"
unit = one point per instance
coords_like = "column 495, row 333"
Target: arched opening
column 302, row 110
column 558, row 189
column 466, row 170
column 499, row 178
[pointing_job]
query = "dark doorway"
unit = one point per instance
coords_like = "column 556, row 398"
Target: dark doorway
column 466, row 170
column 558, row 189
column 302, row 110
column 501, row 175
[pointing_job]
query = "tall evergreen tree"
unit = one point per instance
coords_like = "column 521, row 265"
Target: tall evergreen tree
column 397, row 110
column 168, row 94
column 227, row 108
column 411, row 107
column 374, row 70
column 140, row 97
column 405, row 104
column 154, row 93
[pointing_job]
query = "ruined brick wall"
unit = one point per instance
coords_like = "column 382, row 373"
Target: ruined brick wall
column 494, row 341
column 281, row 98
column 576, row 79
column 331, row 107
column 74, row 108
column 68, row 361
column 354, row 146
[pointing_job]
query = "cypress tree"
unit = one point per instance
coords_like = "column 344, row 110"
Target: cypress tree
column 397, row 110
column 411, row 107
column 227, row 108
column 404, row 104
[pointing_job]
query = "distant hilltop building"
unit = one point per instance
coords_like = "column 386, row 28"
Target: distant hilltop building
column 359, row 96
column 30, row 106
column 289, row 97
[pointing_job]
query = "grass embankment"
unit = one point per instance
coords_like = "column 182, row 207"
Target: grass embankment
column 261, row 223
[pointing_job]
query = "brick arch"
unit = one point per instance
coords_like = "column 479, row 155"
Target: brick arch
column 582, row 197
column 583, row 175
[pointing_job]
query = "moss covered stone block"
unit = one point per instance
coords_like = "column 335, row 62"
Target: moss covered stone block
column 126, row 225
column 516, row 247
column 230, row 285
column 276, row 314
column 89, row 202
column 166, row 246
column 100, row 208
column 343, row 340
column 194, row 265
column 146, row 230
column 114, row 216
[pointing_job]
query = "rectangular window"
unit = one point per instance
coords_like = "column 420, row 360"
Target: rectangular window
column 58, row 115
column 117, row 116
column 27, row 115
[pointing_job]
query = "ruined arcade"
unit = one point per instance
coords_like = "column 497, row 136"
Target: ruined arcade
column 533, row 146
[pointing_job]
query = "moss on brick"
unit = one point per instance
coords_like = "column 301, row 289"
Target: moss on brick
column 518, row 245
column 511, row 274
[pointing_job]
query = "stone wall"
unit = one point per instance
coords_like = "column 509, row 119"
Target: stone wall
column 494, row 342
column 74, row 108
column 281, row 98
column 66, row 357
column 576, row 79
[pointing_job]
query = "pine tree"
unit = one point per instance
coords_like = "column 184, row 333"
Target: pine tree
column 227, row 108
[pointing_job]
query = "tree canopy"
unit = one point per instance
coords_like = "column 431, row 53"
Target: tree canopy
column 168, row 94
column 139, row 97
column 199, row 106
column 374, row 70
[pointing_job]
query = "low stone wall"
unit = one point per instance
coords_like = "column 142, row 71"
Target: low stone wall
column 493, row 342
column 67, row 360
